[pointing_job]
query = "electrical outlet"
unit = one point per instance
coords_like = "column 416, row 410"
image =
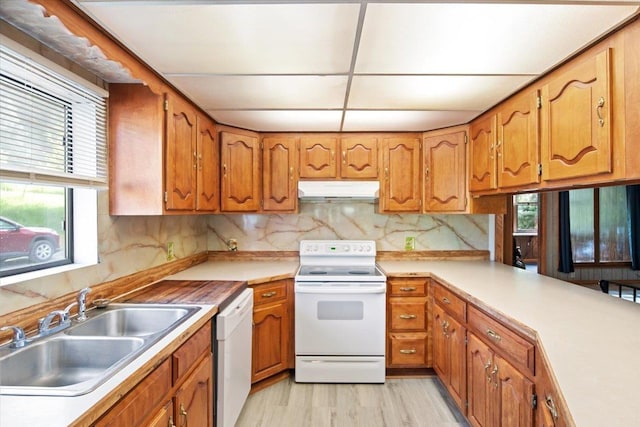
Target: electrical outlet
column 170, row 253
column 232, row 244
column 409, row 243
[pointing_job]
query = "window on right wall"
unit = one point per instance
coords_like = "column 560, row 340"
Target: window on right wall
column 599, row 230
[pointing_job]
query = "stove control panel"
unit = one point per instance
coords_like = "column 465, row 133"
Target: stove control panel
column 337, row 248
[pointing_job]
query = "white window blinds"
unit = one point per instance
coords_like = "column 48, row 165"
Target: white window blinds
column 52, row 129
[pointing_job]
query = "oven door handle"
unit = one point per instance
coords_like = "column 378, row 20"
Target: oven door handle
column 339, row 291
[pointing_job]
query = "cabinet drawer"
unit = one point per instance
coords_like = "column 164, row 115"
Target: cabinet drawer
column 450, row 302
column 511, row 345
column 190, row 352
column 408, row 314
column 264, row 294
column 408, row 287
column 408, row 349
column 144, row 398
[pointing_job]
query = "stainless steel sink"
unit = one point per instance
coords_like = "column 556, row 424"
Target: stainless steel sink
column 78, row 360
column 131, row 321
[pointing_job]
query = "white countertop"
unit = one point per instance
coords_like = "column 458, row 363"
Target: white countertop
column 590, row 338
column 54, row 411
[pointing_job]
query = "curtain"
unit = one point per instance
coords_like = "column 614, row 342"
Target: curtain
column 633, row 222
column 566, row 254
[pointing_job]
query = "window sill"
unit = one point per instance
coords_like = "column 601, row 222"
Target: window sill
column 23, row 277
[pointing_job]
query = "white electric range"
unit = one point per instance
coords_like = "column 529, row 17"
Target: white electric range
column 340, row 313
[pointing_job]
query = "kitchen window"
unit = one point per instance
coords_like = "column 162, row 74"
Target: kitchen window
column 599, row 231
column 525, row 214
column 52, row 162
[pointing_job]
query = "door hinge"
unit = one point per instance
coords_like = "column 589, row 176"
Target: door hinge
column 466, row 403
column 466, row 201
column 534, row 401
column 539, row 102
column 166, row 105
column 261, row 145
column 539, row 169
column 466, row 138
column 466, row 340
column 166, row 197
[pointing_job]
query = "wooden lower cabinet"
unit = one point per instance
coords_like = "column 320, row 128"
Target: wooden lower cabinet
column 174, row 394
column 551, row 410
column 407, row 323
column 499, row 394
column 194, row 399
column 272, row 330
column 449, row 354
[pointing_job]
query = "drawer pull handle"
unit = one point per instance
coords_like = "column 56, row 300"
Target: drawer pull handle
column 491, row 334
column 408, row 289
column 171, row 424
column 408, row 316
column 551, row 406
column 269, row 294
column 412, row 351
column 446, row 300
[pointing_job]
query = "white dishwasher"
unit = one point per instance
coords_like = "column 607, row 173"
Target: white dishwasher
column 233, row 335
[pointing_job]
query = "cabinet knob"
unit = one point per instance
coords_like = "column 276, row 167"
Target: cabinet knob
column 410, row 351
column 551, row 406
column 184, row 414
column 494, row 336
column 445, row 300
column 408, row 289
column 599, row 106
column 344, row 157
column 269, row 294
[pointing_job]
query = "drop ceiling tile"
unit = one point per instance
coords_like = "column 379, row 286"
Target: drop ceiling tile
column 414, row 121
column 174, row 37
column 432, row 92
column 263, row 92
column 281, row 120
column 478, row 38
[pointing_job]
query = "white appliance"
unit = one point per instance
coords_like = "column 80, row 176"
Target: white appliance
column 233, row 334
column 340, row 313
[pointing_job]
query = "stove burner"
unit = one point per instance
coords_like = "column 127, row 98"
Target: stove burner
column 358, row 272
column 317, row 272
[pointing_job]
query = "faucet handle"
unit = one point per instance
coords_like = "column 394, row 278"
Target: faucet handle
column 19, row 338
column 67, row 310
column 82, row 304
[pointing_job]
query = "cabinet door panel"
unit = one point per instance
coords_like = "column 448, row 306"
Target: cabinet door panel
column 181, row 155
column 194, row 399
column 440, row 344
column 279, row 160
column 359, row 157
column 318, row 157
column 480, row 362
column 270, row 341
column 517, row 149
column 208, row 162
column 576, row 125
column 402, row 182
column 482, row 154
column 445, row 188
column 164, row 417
column 241, row 173
column 514, row 400
column 457, row 362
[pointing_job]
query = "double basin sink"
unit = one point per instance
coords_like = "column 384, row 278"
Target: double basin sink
column 85, row 355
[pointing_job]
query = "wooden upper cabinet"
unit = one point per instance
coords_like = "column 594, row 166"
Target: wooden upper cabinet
column 517, row 147
column 318, row 157
column 576, row 120
column 181, row 154
column 482, row 151
column 401, row 187
column 241, row 173
column 445, row 188
column 280, row 170
column 359, row 156
column 208, row 166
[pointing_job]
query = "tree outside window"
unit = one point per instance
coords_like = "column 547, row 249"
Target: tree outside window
column 525, row 213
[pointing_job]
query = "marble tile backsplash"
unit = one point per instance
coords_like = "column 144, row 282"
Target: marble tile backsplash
column 347, row 220
column 131, row 244
column 126, row 245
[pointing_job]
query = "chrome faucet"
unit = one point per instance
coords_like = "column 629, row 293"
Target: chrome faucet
column 44, row 324
column 82, row 304
column 19, row 338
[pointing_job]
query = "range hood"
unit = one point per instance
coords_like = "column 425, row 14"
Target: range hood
column 338, row 190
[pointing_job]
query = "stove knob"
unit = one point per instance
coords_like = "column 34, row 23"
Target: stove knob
column 367, row 248
column 346, row 248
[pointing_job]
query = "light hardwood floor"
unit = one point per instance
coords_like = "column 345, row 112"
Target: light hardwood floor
column 399, row 402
